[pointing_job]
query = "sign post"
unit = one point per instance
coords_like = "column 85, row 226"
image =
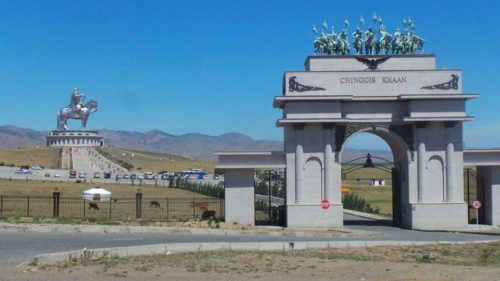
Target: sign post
column 325, row 204
column 477, row 204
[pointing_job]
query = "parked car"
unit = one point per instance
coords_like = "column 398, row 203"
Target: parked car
column 149, row 176
column 97, row 175
column 47, row 174
column 107, row 175
column 23, row 171
column 126, row 176
column 133, row 176
column 141, row 176
column 72, row 174
column 81, row 175
column 57, row 175
column 36, row 168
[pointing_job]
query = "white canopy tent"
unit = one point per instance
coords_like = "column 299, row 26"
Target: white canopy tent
column 97, row 194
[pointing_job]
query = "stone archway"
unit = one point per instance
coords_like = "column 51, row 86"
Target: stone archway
column 395, row 138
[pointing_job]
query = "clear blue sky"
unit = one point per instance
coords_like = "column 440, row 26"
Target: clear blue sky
column 212, row 66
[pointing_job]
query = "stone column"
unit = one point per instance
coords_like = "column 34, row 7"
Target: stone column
column 422, row 159
column 299, row 161
column 450, row 164
column 328, row 158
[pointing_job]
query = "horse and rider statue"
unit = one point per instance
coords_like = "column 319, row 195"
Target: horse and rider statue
column 76, row 110
column 375, row 40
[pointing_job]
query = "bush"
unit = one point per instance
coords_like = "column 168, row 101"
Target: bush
column 199, row 187
column 353, row 202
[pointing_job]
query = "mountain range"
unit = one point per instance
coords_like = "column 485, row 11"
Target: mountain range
column 191, row 145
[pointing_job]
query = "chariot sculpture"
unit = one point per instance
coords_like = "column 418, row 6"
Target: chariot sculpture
column 76, row 109
column 375, row 40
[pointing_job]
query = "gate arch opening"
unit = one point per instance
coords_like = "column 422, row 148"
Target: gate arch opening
column 383, row 184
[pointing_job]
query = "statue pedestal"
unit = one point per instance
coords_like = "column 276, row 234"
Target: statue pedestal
column 72, row 138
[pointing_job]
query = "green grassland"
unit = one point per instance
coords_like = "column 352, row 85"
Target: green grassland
column 150, row 161
column 42, row 156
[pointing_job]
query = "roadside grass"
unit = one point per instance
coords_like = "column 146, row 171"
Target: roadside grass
column 239, row 262
column 41, row 156
column 150, row 161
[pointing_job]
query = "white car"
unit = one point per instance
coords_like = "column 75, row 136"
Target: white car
column 149, row 176
column 97, row 175
column 36, row 168
column 81, row 175
column 57, row 175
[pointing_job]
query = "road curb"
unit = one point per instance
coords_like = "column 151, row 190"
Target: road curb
column 68, row 228
column 172, row 248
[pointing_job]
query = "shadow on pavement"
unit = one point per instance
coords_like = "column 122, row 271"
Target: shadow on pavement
column 366, row 222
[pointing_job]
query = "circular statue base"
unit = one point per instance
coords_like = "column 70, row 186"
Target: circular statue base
column 71, row 138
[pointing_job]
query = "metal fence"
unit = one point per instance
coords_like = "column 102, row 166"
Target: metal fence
column 114, row 209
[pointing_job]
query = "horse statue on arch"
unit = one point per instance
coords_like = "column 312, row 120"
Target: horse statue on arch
column 76, row 110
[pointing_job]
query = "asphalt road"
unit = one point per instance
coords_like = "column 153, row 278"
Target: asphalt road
column 17, row 247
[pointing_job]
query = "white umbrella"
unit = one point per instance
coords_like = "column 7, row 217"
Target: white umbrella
column 97, row 194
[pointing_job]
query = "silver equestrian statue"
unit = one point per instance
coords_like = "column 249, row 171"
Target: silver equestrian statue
column 76, row 110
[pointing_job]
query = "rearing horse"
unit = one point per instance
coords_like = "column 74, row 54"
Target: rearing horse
column 70, row 113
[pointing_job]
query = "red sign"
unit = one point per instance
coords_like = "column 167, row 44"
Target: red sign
column 476, row 204
column 325, row 204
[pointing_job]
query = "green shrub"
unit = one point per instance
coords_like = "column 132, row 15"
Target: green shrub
column 352, row 201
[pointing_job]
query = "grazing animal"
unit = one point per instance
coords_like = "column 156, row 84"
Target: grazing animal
column 203, row 206
column 154, row 204
column 93, row 206
column 208, row 214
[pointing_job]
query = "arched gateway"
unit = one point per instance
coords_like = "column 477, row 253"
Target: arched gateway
column 415, row 107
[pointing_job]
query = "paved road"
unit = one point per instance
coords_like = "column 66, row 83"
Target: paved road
column 18, row 247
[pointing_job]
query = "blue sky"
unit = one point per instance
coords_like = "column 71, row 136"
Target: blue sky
column 213, row 66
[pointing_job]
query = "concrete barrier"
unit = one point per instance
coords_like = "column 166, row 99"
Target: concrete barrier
column 172, row 248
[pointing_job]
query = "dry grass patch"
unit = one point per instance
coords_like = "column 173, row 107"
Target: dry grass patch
column 42, row 156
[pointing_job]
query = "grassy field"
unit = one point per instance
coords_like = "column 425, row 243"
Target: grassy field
column 149, row 161
column 376, row 196
column 171, row 203
column 42, row 156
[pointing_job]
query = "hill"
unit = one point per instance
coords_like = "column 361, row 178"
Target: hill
column 12, row 136
column 190, row 145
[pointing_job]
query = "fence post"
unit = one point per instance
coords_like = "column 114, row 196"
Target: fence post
column 55, row 204
column 28, row 209
column 1, row 204
column 194, row 207
column 220, row 207
column 110, row 202
column 167, row 208
column 84, row 208
column 138, row 205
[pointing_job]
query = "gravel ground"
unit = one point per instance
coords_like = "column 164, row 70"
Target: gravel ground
column 439, row 262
